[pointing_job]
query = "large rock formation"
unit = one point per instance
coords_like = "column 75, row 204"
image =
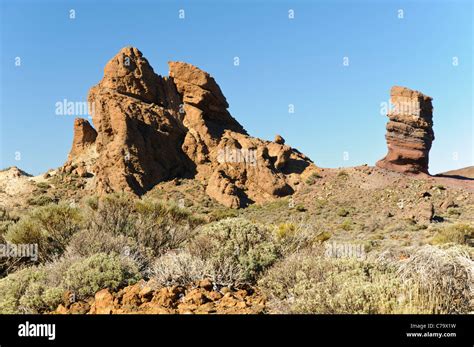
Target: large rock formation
column 150, row 128
column 409, row 132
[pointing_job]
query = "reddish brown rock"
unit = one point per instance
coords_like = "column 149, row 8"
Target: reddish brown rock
column 409, row 132
column 84, row 138
column 150, row 129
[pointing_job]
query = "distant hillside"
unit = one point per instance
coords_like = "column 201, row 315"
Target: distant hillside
column 464, row 172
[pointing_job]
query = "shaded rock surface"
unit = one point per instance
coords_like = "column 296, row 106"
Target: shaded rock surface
column 150, row 129
column 409, row 132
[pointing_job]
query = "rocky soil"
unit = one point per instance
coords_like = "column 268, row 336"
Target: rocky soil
column 142, row 298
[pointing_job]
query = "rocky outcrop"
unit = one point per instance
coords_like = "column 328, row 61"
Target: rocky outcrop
column 409, row 132
column 151, row 129
column 143, row 297
column 83, row 140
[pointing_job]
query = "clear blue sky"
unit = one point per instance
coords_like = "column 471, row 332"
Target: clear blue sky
column 282, row 62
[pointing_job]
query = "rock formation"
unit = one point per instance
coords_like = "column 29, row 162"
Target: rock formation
column 83, row 140
column 150, row 129
column 409, row 132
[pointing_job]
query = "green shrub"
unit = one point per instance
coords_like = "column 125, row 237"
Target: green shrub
column 457, row 233
column 51, row 227
column 28, row 291
column 347, row 224
column 42, row 185
column 235, row 249
column 342, row 174
column 87, row 276
column 88, row 242
column 40, row 289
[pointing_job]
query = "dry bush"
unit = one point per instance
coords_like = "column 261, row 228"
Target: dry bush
column 432, row 280
column 296, row 235
column 457, row 233
column 154, row 226
column 177, row 268
column 307, row 282
column 441, row 280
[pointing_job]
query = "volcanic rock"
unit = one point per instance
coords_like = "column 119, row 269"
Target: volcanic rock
column 409, row 132
column 150, row 129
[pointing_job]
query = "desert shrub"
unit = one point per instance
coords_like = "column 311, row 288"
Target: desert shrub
column 42, row 185
column 300, row 208
column 88, row 242
column 441, row 279
column 153, row 225
column 342, row 174
column 342, row 212
column 40, row 288
column 51, row 227
column 235, row 250
column 432, row 280
column 41, row 200
column 114, row 214
column 346, row 224
column 163, row 227
column 222, row 213
column 28, row 291
column 294, row 236
column 309, row 283
column 87, row 276
column 178, row 268
column 312, row 178
column 92, row 202
column 457, row 233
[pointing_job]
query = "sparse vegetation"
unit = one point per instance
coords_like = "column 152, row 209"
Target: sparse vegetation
column 312, row 179
column 457, row 233
column 432, row 280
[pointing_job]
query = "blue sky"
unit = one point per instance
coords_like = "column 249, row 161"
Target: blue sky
column 282, row 61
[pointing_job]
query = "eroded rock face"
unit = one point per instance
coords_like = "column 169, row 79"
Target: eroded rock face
column 150, row 129
column 409, row 132
column 84, row 138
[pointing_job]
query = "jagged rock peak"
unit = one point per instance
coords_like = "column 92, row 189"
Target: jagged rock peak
column 150, row 129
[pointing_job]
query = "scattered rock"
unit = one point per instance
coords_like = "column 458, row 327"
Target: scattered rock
column 142, row 298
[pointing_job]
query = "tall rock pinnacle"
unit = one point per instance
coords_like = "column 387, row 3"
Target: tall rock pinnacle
column 409, row 132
